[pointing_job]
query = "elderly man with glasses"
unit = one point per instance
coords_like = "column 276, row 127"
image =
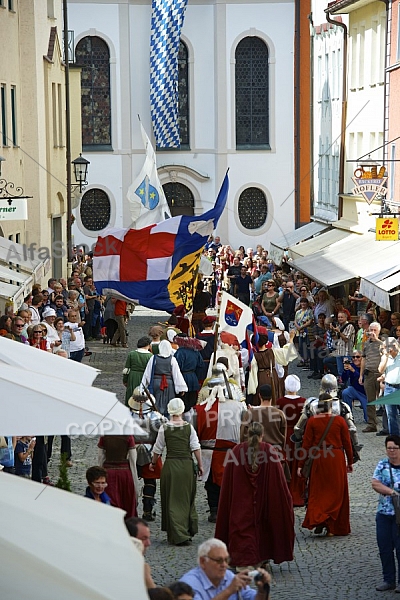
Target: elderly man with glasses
column 212, row 579
column 355, row 390
column 390, row 367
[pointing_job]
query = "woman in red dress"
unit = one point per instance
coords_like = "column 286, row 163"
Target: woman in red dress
column 117, row 454
column 291, row 404
column 255, row 517
column 328, row 496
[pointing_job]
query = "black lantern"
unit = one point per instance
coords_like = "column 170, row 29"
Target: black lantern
column 80, row 171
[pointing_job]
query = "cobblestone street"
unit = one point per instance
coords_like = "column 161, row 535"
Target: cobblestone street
column 329, row 568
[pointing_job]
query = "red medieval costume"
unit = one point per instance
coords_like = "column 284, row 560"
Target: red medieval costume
column 115, row 456
column 292, row 406
column 328, row 495
column 257, row 521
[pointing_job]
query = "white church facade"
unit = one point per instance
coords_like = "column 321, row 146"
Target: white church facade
column 235, row 112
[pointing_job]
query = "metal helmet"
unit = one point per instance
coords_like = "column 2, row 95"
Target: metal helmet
column 329, row 384
column 217, row 377
column 139, row 395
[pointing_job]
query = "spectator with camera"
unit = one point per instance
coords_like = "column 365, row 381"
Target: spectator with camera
column 287, row 301
column 344, row 333
column 212, row 579
column 390, row 367
column 355, row 390
column 369, row 373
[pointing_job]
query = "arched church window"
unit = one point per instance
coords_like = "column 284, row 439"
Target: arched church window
column 93, row 56
column 252, row 94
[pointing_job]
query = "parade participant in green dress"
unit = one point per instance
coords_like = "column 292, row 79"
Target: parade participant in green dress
column 135, row 366
column 178, row 477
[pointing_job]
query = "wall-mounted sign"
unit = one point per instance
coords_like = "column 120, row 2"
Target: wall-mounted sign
column 16, row 211
column 369, row 183
column 387, row 229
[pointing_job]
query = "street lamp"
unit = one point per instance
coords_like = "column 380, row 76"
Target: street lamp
column 80, row 172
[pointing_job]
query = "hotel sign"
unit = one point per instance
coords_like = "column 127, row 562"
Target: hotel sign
column 387, row 229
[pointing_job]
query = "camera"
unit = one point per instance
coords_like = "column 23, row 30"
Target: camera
column 346, row 361
column 256, row 575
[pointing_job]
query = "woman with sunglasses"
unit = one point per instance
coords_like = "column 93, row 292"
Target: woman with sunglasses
column 37, row 338
column 269, row 299
column 386, row 482
column 355, row 390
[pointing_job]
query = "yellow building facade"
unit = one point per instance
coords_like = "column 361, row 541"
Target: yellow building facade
column 33, row 138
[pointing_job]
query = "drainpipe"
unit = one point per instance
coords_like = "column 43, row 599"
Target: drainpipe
column 297, row 65
column 344, row 108
column 386, row 76
column 312, row 35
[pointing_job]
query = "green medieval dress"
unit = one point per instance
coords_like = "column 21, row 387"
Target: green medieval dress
column 178, row 486
column 133, row 372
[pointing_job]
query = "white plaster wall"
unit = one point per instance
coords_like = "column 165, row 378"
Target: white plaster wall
column 364, row 127
column 127, row 26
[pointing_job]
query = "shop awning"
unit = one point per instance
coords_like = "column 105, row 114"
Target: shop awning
column 354, row 256
column 10, row 292
column 377, row 287
column 318, row 243
column 20, row 267
column 276, row 249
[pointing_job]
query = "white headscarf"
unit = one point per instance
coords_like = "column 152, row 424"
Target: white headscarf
column 176, row 406
column 292, row 384
column 165, row 349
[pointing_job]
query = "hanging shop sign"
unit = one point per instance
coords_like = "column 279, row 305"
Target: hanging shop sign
column 17, row 210
column 370, row 183
column 387, row 229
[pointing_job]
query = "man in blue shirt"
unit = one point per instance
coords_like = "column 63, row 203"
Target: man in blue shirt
column 7, row 455
column 355, row 390
column 211, row 579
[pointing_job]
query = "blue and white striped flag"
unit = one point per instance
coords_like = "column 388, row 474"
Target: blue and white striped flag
column 166, row 25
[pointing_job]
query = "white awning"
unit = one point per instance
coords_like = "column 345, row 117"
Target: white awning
column 25, row 257
column 377, row 287
column 318, row 243
column 20, row 265
column 354, row 256
column 11, row 292
column 276, row 249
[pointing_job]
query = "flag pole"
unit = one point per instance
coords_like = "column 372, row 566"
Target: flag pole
column 216, row 334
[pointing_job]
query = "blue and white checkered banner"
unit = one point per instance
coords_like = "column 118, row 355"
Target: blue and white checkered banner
column 166, row 24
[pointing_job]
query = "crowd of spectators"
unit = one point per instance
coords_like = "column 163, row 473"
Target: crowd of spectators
column 334, row 331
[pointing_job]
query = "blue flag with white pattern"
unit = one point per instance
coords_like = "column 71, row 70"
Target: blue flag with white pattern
column 166, row 25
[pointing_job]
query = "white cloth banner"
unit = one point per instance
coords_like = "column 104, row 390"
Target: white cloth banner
column 234, row 316
column 146, row 197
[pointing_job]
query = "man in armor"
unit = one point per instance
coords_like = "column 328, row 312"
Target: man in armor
column 217, row 419
column 145, row 413
column 328, row 385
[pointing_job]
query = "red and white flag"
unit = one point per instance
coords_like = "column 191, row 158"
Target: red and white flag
column 234, row 316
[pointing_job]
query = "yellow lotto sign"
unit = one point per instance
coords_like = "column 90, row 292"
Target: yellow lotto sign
column 387, row 229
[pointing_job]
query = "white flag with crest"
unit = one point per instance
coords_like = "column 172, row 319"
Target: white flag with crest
column 147, row 202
